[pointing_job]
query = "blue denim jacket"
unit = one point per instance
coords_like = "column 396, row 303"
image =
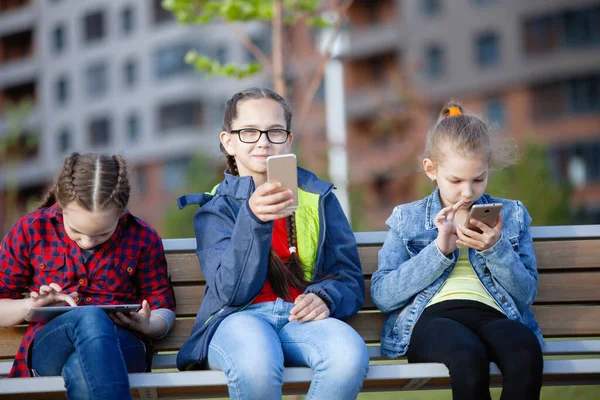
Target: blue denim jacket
column 412, row 268
column 233, row 247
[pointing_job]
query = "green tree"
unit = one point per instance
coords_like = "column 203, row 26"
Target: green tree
column 280, row 15
column 15, row 141
column 202, row 176
column 531, row 181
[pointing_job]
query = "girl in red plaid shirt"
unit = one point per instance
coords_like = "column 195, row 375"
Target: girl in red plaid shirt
column 82, row 247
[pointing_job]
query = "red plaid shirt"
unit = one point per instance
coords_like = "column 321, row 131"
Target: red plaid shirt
column 128, row 268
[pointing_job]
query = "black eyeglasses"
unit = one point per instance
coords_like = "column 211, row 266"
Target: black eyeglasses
column 252, row 135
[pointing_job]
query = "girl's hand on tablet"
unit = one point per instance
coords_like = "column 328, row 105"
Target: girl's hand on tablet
column 52, row 295
column 137, row 321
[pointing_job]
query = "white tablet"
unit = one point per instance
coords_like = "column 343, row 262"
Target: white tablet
column 38, row 314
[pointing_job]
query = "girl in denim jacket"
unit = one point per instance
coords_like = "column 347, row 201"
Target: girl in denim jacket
column 277, row 283
column 451, row 294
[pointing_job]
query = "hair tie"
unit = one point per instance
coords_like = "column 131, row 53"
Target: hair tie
column 292, row 249
column 454, row 111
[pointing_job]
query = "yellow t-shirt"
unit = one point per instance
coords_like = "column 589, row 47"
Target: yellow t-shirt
column 463, row 284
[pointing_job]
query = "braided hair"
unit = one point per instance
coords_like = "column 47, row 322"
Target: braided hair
column 280, row 276
column 92, row 180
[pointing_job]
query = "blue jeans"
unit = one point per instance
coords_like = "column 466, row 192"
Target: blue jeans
column 90, row 352
column 252, row 346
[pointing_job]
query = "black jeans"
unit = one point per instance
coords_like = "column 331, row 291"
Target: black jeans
column 465, row 336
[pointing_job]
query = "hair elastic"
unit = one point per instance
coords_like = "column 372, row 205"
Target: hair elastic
column 292, row 249
column 454, row 111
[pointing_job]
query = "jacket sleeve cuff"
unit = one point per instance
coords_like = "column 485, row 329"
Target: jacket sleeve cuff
column 487, row 253
column 447, row 261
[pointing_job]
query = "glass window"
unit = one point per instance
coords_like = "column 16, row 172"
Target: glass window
column 96, row 80
column 175, row 174
column 434, row 61
column 495, row 112
column 99, row 132
column 160, row 14
column 431, row 7
column 583, row 94
column 132, row 127
column 64, row 141
column 484, row 2
column 129, row 73
column 62, row 90
column 548, row 100
column 59, row 38
column 127, row 20
column 169, row 61
column 487, row 50
column 94, row 26
column 582, row 27
column 182, row 114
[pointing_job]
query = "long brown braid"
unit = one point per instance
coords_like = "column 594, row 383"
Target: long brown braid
column 92, row 180
column 280, row 276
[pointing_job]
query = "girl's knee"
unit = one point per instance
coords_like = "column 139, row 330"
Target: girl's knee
column 92, row 319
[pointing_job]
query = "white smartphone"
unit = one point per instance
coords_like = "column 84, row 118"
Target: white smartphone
column 283, row 168
column 38, row 314
column 486, row 213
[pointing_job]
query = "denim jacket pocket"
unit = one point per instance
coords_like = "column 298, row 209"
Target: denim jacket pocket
column 514, row 241
column 414, row 247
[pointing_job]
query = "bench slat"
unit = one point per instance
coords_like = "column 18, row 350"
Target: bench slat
column 551, row 255
column 554, row 288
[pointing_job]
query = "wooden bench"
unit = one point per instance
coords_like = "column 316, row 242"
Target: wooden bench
column 567, row 307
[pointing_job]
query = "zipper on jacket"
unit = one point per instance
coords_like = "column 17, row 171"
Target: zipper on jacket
column 322, row 212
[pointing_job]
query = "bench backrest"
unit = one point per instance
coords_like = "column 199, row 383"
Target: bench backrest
column 567, row 305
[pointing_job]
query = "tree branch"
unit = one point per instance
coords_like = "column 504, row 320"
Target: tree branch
column 262, row 58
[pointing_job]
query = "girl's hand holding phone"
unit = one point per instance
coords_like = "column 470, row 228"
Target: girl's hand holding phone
column 137, row 321
column 268, row 200
column 51, row 295
column 479, row 241
column 444, row 222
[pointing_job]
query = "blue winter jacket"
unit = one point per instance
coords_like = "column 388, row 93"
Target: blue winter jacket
column 412, row 268
column 233, row 248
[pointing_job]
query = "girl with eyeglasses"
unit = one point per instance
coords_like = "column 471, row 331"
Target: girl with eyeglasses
column 277, row 284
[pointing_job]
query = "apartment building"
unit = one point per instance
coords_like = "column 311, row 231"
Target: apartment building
column 109, row 76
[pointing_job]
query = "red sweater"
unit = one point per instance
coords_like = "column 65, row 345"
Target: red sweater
column 279, row 243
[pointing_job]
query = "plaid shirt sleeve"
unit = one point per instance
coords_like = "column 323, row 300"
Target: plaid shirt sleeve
column 14, row 262
column 152, row 275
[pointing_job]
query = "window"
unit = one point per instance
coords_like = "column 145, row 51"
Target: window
column 180, row 115
column 175, row 174
column 585, row 153
column 487, row 50
column 64, row 141
column 575, row 29
column 495, row 112
column 132, row 127
column 567, row 97
column 127, row 20
column 99, row 132
column 129, row 74
column 160, row 14
column 431, row 7
column 484, row 2
column 58, row 39
column 93, row 26
column 62, row 90
column 434, row 61
column 583, row 94
column 96, row 80
column 141, row 180
column 169, row 61
column 542, row 34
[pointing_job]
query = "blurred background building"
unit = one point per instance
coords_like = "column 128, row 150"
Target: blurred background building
column 109, row 76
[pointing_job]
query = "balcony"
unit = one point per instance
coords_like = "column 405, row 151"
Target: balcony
column 17, row 19
column 367, row 102
column 19, row 71
column 373, row 40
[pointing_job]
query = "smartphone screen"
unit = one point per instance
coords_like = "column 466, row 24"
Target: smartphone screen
column 283, row 168
column 486, row 213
